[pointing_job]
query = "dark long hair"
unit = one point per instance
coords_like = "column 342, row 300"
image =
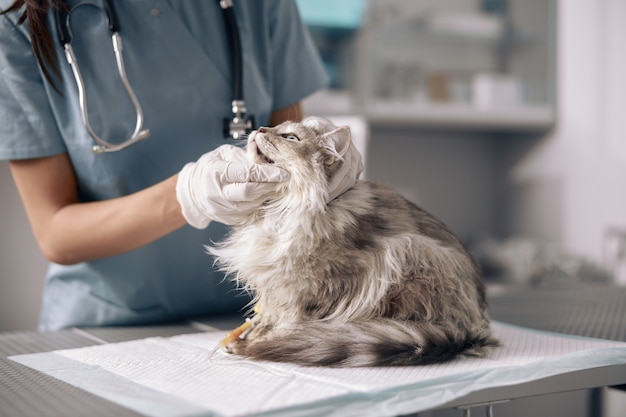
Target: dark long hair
column 35, row 14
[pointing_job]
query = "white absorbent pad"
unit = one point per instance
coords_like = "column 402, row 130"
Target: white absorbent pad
column 186, row 376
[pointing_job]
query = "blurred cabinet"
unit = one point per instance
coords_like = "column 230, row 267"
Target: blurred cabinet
column 445, row 64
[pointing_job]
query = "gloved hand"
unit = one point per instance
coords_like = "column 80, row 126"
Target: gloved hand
column 348, row 173
column 223, row 186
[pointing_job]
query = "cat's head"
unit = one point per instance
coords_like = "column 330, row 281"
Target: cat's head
column 312, row 151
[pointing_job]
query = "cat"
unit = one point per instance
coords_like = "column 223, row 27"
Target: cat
column 364, row 279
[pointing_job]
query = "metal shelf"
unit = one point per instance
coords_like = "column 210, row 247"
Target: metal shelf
column 440, row 116
column 461, row 116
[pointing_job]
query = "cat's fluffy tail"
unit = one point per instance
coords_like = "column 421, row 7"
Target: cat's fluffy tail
column 382, row 342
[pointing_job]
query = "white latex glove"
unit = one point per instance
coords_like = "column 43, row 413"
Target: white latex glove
column 223, row 186
column 348, row 173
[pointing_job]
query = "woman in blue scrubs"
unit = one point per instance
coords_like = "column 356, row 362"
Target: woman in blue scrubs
column 121, row 252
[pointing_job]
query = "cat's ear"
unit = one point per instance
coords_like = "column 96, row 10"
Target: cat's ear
column 337, row 142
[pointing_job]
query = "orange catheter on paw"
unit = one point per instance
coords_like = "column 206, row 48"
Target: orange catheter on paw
column 234, row 335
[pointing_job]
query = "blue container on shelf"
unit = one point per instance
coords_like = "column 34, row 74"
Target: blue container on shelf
column 343, row 14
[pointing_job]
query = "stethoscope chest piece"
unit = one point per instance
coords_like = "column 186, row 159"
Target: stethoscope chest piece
column 239, row 125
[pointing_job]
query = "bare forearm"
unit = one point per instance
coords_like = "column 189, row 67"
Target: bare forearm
column 69, row 231
column 86, row 231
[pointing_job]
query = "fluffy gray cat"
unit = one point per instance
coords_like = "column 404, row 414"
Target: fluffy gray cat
column 364, row 279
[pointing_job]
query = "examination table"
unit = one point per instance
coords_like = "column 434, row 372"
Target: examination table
column 597, row 311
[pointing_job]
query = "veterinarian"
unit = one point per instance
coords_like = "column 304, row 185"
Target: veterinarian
column 124, row 226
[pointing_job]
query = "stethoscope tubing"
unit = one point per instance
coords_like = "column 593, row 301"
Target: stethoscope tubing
column 239, row 124
column 65, row 37
column 235, row 127
column 234, row 41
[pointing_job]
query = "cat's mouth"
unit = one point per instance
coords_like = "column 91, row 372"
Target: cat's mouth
column 253, row 140
column 262, row 156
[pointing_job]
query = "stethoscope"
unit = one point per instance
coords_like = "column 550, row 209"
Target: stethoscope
column 235, row 127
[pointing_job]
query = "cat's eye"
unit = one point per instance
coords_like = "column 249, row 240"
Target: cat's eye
column 291, row 137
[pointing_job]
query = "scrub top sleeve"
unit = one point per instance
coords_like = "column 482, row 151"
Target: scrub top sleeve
column 298, row 70
column 28, row 128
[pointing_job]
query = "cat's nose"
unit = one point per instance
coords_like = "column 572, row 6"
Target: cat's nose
column 261, row 130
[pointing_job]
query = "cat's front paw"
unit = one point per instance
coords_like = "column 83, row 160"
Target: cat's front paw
column 237, row 348
column 230, row 347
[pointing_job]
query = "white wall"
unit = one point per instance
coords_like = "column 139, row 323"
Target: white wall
column 583, row 161
column 22, row 266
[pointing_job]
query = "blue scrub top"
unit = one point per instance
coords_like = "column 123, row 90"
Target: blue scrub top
column 178, row 63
